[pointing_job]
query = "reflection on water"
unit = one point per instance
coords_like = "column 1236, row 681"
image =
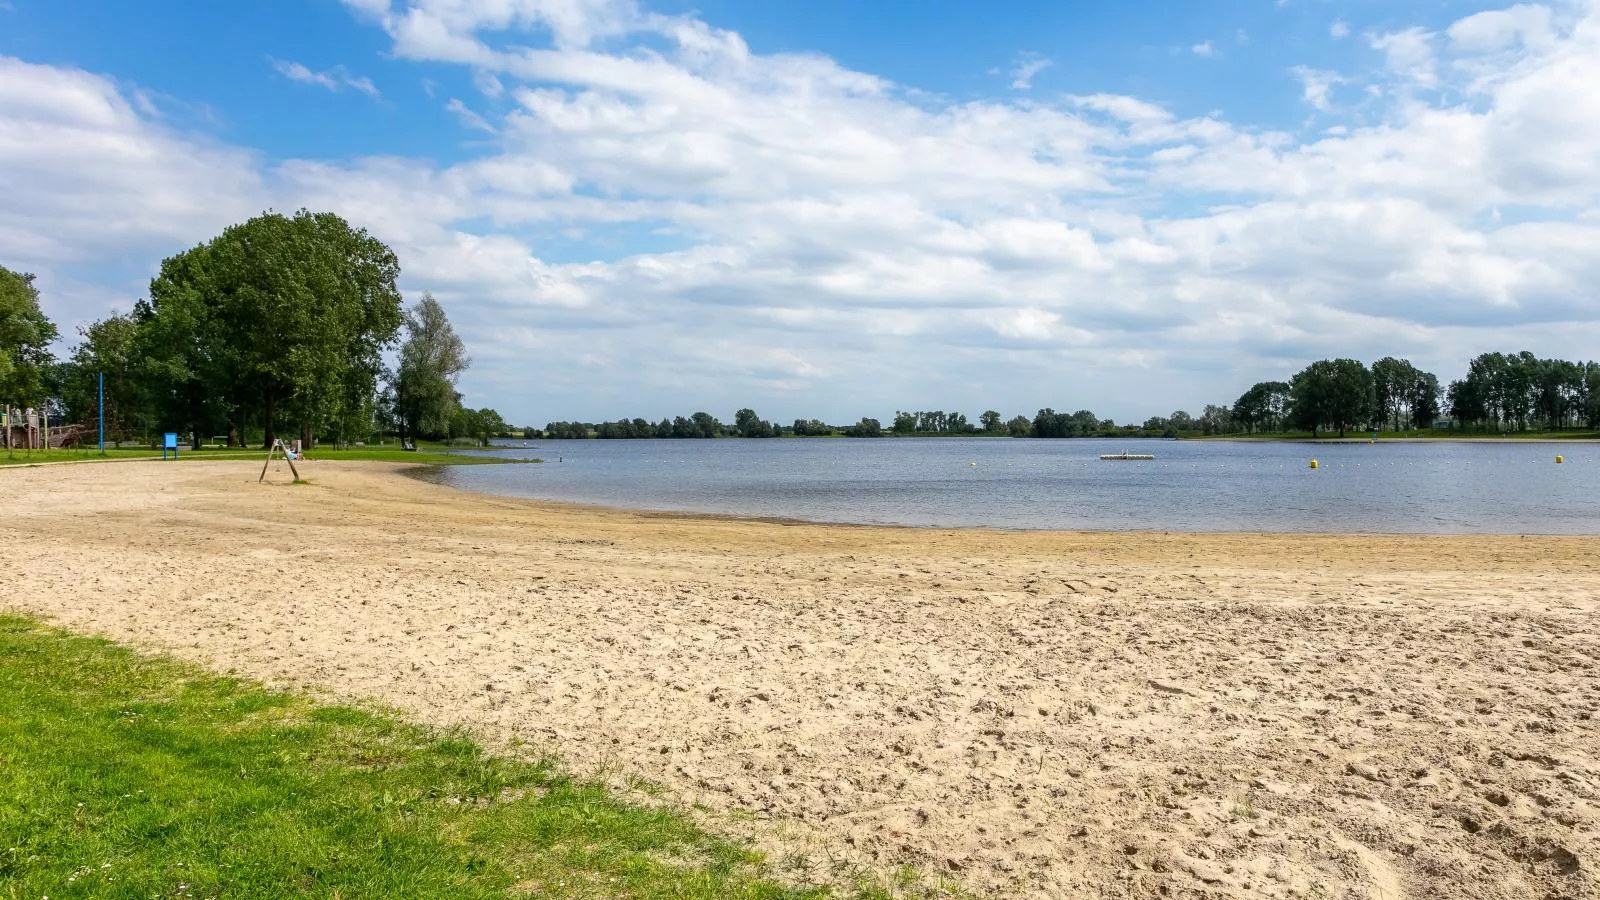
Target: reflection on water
column 1509, row 488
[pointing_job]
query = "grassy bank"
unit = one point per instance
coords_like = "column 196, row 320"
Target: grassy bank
column 425, row 455
column 123, row 775
column 1423, row 435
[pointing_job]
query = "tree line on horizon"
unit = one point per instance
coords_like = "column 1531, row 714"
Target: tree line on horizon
column 279, row 326
column 1501, row 392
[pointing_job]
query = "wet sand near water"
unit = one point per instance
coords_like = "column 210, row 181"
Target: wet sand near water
column 1024, row 714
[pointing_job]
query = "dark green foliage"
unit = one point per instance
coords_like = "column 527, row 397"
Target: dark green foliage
column 1264, row 407
column 1513, row 392
column 279, row 319
column 109, row 346
column 1050, row 424
column 866, row 428
column 1216, row 420
column 747, row 424
column 432, row 357
column 25, row 336
column 1331, row 393
column 478, row 424
column 811, row 428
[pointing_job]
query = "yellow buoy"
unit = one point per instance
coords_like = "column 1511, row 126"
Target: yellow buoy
column 1313, row 464
column 974, row 465
column 1560, row 459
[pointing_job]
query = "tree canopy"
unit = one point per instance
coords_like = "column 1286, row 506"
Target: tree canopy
column 277, row 319
column 1331, row 393
column 431, row 359
column 25, row 337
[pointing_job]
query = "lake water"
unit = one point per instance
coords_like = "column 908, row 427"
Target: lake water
column 1495, row 488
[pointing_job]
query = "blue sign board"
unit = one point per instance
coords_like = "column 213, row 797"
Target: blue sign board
column 169, row 441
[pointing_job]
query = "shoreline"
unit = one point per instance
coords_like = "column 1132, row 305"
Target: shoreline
column 1024, row 713
column 1243, row 439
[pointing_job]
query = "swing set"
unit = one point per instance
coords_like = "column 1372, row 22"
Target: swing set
column 290, row 454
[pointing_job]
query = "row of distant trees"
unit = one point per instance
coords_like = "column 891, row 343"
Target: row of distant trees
column 1500, row 392
column 278, row 326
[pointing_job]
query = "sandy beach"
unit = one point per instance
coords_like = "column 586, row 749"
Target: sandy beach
column 1025, row 714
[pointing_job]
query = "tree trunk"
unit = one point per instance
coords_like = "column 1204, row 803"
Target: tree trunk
column 305, row 438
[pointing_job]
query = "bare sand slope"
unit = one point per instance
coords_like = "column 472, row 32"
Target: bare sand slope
column 1033, row 714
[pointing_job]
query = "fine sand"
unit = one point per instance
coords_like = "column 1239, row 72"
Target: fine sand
column 1025, row 714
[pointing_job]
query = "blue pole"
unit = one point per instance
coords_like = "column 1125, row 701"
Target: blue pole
column 102, row 412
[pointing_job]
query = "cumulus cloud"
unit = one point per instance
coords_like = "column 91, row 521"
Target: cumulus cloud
column 1203, row 48
column 334, row 79
column 1339, row 30
column 780, row 231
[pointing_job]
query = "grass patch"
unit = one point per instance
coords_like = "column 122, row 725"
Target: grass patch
column 85, row 454
column 123, row 775
column 422, row 456
column 1444, row 435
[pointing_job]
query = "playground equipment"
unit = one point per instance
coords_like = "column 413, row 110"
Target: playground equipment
column 291, row 452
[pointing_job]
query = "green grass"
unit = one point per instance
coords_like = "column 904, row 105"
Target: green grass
column 126, row 776
column 22, row 457
column 424, row 455
column 1419, row 434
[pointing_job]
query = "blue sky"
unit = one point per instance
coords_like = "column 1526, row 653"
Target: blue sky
column 838, row 209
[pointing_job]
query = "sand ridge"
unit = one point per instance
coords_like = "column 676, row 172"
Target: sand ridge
column 1029, row 714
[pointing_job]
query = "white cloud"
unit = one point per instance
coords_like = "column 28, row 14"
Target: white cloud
column 469, row 118
column 487, row 84
column 1339, row 30
column 1318, row 85
column 1203, row 48
column 1409, row 54
column 775, row 229
column 334, row 79
column 1027, row 65
column 1501, row 29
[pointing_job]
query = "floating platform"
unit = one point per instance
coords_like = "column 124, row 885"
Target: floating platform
column 1133, row 457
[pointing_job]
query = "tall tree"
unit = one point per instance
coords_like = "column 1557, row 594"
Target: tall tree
column 432, row 357
column 1334, row 393
column 108, row 347
column 25, row 336
column 1423, row 399
column 280, row 317
column 1392, row 381
column 750, row 425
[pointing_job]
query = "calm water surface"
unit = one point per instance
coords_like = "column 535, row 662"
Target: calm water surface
column 1504, row 488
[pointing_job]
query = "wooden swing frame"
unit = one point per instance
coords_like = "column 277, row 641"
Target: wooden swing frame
column 277, row 446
